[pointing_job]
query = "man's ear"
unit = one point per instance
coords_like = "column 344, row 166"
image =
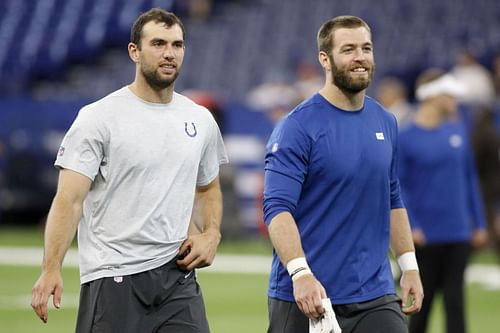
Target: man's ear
column 133, row 52
column 324, row 60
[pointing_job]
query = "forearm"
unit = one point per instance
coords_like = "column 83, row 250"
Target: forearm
column 285, row 237
column 60, row 230
column 199, row 249
column 208, row 209
column 307, row 290
column 401, row 238
column 404, row 251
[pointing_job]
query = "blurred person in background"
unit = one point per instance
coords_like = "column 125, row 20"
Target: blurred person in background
column 478, row 83
column 132, row 166
column 309, row 80
column 486, row 143
column 496, row 80
column 391, row 92
column 441, row 192
column 274, row 98
column 332, row 202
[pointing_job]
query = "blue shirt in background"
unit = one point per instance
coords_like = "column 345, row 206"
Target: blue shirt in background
column 439, row 182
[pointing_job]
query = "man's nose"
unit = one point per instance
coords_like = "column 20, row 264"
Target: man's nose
column 168, row 52
column 359, row 55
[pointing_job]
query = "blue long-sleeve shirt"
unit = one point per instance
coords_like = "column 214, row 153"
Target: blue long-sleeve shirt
column 439, row 182
column 334, row 171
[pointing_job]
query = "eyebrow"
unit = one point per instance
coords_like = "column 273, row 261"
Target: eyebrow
column 355, row 44
column 158, row 39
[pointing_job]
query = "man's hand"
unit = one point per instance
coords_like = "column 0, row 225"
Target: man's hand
column 479, row 238
column 418, row 237
column 49, row 283
column 308, row 293
column 412, row 290
column 199, row 250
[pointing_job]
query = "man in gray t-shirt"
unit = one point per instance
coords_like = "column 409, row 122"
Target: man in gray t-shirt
column 132, row 166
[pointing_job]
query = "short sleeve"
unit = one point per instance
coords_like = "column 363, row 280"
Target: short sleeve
column 214, row 154
column 82, row 149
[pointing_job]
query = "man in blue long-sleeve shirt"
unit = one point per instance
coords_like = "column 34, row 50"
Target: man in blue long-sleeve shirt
column 332, row 202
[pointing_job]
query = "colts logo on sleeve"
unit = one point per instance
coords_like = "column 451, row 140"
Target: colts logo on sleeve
column 190, row 130
column 61, row 151
column 379, row 136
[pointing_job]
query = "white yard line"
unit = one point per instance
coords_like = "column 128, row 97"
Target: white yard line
column 486, row 275
column 226, row 263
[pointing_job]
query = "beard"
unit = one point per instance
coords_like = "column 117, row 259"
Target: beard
column 341, row 77
column 154, row 79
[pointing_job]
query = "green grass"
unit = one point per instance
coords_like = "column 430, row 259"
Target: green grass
column 235, row 300
column 482, row 306
column 21, row 236
column 232, row 300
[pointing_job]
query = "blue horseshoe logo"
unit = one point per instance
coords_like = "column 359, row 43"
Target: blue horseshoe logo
column 193, row 132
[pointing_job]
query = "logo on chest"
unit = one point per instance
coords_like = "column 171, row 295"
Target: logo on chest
column 379, row 136
column 455, row 140
column 190, row 129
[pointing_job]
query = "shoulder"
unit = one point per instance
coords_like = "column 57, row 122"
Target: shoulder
column 188, row 105
column 305, row 109
column 374, row 106
column 111, row 101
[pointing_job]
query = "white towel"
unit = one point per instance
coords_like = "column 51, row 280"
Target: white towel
column 327, row 323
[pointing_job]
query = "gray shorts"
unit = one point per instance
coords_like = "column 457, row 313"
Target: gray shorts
column 381, row 315
column 161, row 300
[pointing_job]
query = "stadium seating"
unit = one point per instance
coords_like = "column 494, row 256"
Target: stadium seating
column 245, row 43
column 67, row 52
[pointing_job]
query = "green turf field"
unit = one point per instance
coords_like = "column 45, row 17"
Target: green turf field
column 232, row 300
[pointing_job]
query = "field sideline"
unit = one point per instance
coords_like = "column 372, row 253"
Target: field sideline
column 483, row 274
column 234, row 288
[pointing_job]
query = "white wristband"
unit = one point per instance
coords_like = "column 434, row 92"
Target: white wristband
column 407, row 261
column 298, row 267
column 301, row 273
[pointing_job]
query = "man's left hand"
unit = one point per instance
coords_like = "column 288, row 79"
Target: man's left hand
column 412, row 291
column 199, row 250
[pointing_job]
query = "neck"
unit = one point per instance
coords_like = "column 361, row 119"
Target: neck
column 429, row 116
column 145, row 92
column 343, row 99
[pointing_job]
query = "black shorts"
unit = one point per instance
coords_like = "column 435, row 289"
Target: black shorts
column 381, row 315
column 161, row 300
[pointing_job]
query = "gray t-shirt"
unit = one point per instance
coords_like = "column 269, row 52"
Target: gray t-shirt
column 145, row 161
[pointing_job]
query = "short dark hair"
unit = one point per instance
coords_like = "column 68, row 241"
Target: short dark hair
column 158, row 15
column 326, row 31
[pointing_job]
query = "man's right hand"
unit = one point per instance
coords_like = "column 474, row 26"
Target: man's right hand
column 49, row 283
column 308, row 293
column 418, row 237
